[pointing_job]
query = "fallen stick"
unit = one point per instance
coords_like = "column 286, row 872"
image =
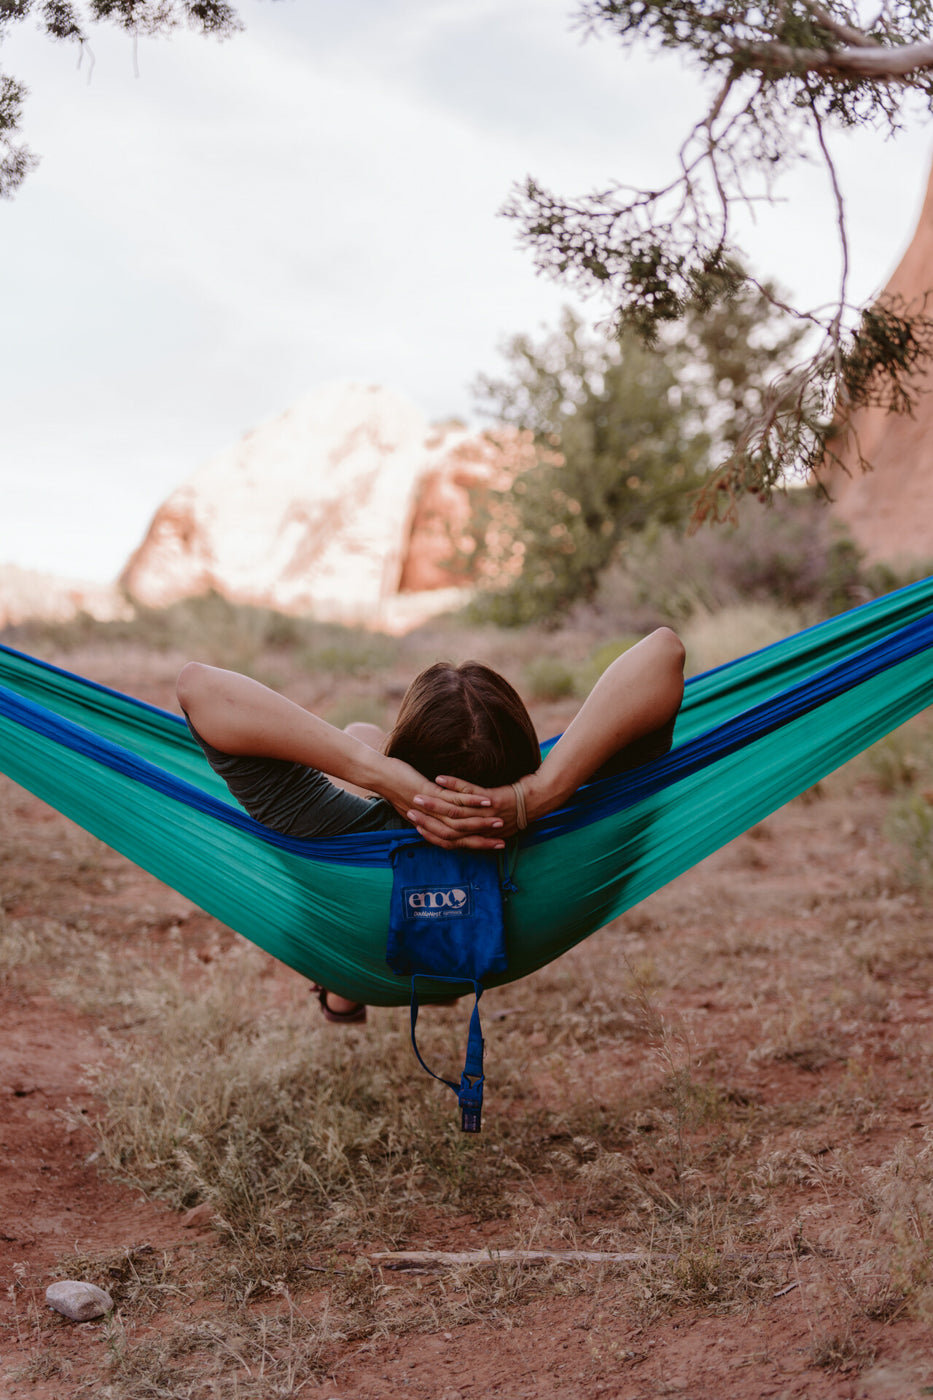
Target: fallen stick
column 438, row 1258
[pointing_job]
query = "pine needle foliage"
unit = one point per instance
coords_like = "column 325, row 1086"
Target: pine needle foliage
column 785, row 76
column 68, row 21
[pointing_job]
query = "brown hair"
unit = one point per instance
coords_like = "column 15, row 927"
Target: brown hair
column 465, row 722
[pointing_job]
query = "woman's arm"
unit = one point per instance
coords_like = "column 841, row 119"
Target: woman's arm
column 639, row 694
column 240, row 716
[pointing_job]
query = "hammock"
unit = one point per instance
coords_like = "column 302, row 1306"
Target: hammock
column 751, row 735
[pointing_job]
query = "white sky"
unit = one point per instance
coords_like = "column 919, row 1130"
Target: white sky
column 317, row 199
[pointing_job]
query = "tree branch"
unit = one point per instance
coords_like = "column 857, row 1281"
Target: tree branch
column 65, row 20
column 844, row 32
column 876, row 61
column 835, row 326
column 787, row 73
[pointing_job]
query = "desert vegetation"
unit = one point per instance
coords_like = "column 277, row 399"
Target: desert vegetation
column 729, row 1086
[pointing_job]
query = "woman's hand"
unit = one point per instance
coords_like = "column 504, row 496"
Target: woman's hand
column 464, row 820
column 437, row 819
column 628, row 716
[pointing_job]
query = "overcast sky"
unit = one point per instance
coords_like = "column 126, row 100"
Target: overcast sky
column 317, row 199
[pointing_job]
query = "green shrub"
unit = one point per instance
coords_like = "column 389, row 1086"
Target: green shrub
column 792, row 554
column 712, row 639
column 604, row 655
column 365, row 709
column 213, row 629
column 344, row 651
column 909, row 824
column 549, row 678
column 891, row 763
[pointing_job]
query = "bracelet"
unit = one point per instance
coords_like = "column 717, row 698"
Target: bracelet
column 521, row 815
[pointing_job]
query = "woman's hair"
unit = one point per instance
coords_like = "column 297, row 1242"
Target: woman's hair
column 465, row 722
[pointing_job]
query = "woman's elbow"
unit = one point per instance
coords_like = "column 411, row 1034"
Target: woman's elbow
column 670, row 648
column 671, row 656
column 191, row 683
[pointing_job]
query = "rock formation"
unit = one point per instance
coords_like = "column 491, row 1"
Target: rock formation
column 26, row 594
column 440, row 549
column 345, row 502
column 889, row 510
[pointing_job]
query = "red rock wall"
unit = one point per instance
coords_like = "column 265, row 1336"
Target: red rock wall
column 889, row 510
column 441, row 546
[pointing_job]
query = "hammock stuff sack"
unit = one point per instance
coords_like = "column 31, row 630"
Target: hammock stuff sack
column 446, row 924
column 751, row 735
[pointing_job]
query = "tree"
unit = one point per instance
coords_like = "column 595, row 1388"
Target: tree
column 625, row 436
column 785, row 74
column 68, row 22
column 614, row 451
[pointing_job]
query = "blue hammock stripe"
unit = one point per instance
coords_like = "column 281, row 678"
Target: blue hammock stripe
column 602, row 798
column 93, row 687
column 591, row 804
column 363, row 849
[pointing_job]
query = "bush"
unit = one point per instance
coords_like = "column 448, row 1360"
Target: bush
column 712, row 639
column 591, row 670
column 892, row 763
column 909, row 824
column 216, row 630
column 549, row 678
column 791, row 553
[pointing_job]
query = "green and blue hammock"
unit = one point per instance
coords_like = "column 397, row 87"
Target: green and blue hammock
column 751, row 735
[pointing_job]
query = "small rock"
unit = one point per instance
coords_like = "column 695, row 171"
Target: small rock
column 197, row 1216
column 77, row 1300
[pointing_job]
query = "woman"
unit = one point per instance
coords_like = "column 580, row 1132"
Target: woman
column 462, row 764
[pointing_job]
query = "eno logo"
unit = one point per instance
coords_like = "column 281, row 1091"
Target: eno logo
column 451, row 900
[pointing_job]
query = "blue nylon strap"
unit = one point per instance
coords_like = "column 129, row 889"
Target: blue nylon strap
column 470, row 1089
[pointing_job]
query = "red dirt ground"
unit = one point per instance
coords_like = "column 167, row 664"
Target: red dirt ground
column 811, row 868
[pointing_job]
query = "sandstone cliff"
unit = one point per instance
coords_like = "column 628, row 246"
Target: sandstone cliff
column 338, row 507
column 889, row 510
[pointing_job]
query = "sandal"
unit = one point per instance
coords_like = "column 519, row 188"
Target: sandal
column 355, row 1016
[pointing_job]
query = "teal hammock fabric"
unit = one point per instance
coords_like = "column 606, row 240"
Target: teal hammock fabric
column 751, row 735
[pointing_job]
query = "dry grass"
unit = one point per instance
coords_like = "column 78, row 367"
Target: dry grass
column 728, row 1080
column 305, row 1143
column 713, row 638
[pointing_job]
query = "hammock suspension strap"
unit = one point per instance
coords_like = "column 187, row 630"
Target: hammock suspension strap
column 470, row 1089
